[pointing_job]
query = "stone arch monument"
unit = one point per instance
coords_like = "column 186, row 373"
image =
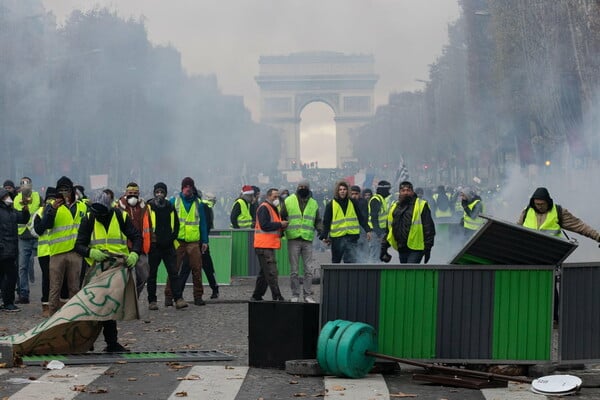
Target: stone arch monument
column 289, row 83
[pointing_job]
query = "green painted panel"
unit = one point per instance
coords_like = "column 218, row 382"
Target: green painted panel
column 220, row 252
column 239, row 252
column 408, row 313
column 523, row 315
column 469, row 259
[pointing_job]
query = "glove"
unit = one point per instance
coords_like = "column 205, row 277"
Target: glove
column 132, row 259
column 98, row 255
column 385, row 256
column 427, row 255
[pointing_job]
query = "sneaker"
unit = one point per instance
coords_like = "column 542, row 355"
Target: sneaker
column 214, row 295
column 309, row 299
column 116, row 348
column 295, row 299
column 10, row 308
column 256, row 298
column 279, row 298
column 153, row 306
column 22, row 300
column 181, row 303
column 168, row 302
column 199, row 302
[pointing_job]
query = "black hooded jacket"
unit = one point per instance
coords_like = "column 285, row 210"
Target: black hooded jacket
column 9, row 237
column 541, row 193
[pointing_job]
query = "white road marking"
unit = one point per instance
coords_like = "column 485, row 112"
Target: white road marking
column 514, row 391
column 211, row 383
column 59, row 384
column 370, row 387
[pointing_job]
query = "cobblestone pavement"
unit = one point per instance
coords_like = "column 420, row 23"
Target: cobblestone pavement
column 220, row 325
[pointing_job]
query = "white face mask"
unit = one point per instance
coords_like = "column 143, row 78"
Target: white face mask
column 276, row 202
column 132, row 201
column 8, row 201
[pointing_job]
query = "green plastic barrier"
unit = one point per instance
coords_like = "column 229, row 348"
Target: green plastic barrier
column 220, row 251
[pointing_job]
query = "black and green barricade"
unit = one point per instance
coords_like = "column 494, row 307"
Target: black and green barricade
column 494, row 304
column 446, row 313
column 220, row 252
column 579, row 322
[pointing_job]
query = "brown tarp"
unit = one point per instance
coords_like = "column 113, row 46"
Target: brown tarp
column 109, row 294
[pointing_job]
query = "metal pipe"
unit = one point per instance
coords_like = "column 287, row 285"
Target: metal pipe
column 453, row 370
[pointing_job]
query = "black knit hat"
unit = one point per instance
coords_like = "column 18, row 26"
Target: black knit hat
column 8, row 183
column 63, row 181
column 187, row 181
column 50, row 193
column 160, row 185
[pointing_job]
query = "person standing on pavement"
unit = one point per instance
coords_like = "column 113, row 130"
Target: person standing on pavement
column 103, row 231
column 267, row 238
column 192, row 236
column 9, row 247
column 207, row 262
column 163, row 228
column 27, row 242
column 342, row 221
column 240, row 216
column 410, row 228
column 43, row 250
column 302, row 213
column 378, row 210
column 208, row 265
column 63, row 217
column 135, row 207
column 472, row 209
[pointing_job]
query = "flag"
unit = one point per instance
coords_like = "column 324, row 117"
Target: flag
column 401, row 173
column 368, row 182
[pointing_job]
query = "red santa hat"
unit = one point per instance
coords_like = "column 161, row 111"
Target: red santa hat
column 247, row 189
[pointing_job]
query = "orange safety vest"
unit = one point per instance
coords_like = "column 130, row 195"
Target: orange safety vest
column 270, row 239
column 146, row 231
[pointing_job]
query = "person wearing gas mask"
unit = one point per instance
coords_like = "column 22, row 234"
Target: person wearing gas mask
column 161, row 227
column 63, row 217
column 27, row 242
column 105, row 230
column 9, row 247
column 135, row 207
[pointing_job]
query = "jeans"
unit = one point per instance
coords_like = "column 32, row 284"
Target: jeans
column 304, row 248
column 411, row 256
column 344, row 247
column 27, row 254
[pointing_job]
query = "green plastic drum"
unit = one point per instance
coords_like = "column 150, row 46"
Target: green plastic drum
column 327, row 345
column 356, row 339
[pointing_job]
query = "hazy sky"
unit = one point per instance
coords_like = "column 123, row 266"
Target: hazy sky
column 226, row 37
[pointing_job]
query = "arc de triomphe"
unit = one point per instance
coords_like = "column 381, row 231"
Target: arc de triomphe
column 289, row 83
